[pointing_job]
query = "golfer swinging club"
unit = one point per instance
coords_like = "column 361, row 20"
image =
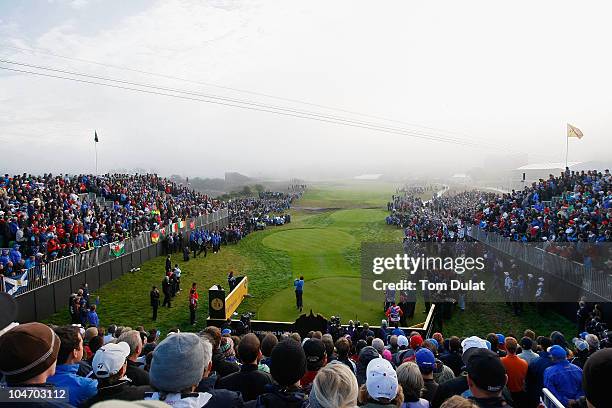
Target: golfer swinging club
column 298, row 284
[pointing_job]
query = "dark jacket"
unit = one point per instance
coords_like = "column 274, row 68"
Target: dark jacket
column 535, row 376
column 279, row 398
column 491, row 402
column 136, row 374
column 220, row 398
column 124, row 390
column 221, row 366
column 249, row 381
column 454, row 361
column 155, row 298
column 458, row 386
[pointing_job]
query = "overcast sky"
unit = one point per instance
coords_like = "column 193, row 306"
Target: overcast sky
column 510, row 73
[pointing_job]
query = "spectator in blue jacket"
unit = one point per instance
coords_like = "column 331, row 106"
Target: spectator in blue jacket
column 92, row 316
column 70, row 353
column 15, row 255
column 563, row 379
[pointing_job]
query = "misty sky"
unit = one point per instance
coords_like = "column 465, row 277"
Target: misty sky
column 512, row 74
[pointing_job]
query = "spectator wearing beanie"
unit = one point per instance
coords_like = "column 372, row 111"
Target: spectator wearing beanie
column 335, row 386
column 366, row 355
column 176, row 370
column 220, row 398
column 135, row 371
column 486, row 377
column 29, row 357
column 110, row 365
column 596, row 378
column 563, row 379
column 535, row 371
column 288, row 367
column 70, row 353
column 219, row 364
column 249, row 381
column 426, row 362
column 316, row 358
column 381, row 388
column 516, row 369
column 527, row 354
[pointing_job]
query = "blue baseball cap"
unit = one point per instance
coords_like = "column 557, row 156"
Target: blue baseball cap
column 583, row 335
column 425, row 358
column 557, row 352
column 501, row 338
column 434, row 342
column 226, row 331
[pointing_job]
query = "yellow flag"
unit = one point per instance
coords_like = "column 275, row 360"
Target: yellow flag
column 574, row 132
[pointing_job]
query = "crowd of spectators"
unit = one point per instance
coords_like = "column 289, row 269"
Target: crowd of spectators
column 46, row 217
column 370, row 368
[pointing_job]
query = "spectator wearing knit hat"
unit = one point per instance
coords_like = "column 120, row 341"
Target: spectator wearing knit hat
column 563, row 379
column 70, row 353
column 366, row 355
column 109, row 367
column 29, row 357
column 176, row 370
column 249, row 381
column 287, row 368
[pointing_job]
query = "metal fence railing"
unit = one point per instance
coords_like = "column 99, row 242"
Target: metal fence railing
column 590, row 279
column 65, row 267
column 549, row 400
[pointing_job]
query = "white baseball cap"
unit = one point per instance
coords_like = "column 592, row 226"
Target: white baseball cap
column 402, row 340
column 381, row 379
column 109, row 359
column 473, row 341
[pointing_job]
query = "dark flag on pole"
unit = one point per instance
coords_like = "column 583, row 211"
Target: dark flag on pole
column 96, row 136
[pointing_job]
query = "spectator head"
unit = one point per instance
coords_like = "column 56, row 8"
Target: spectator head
column 426, row 361
column 328, row 341
column 454, row 344
column 381, row 383
column 110, row 362
column 557, row 352
column 215, row 335
column 343, row 348
column 410, row 378
column 511, row 345
column 334, row 386
column 593, row 342
column 296, row 337
column 558, row 338
column 526, row 343
column 249, row 349
column 90, row 333
column 316, row 356
column 581, row 345
column 486, row 374
column 152, row 337
column 367, row 354
column 596, row 378
column 288, row 363
column 393, row 341
column 227, row 347
column 494, row 340
column 378, row 344
column 92, row 308
column 457, row 401
column 134, row 340
column 317, row 335
column 472, row 345
column 438, row 337
column 29, row 353
column 415, row 341
column 402, row 341
column 95, row 343
column 178, row 363
column 71, row 347
column 544, row 343
column 529, row 333
column 268, row 343
column 111, row 329
column 386, row 354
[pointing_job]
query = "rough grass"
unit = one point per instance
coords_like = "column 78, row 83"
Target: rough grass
column 324, row 246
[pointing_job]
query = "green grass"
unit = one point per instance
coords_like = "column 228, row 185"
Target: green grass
column 322, row 243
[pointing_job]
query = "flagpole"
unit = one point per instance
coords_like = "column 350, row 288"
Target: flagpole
column 566, row 148
column 96, row 148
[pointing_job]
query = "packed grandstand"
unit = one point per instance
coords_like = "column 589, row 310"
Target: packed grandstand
column 48, row 217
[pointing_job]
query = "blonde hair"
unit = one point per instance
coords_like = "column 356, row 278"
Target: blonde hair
column 409, row 376
column 335, row 386
column 457, row 401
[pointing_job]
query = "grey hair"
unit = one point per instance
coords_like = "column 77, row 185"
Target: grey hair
column 335, row 386
column 133, row 339
column 409, row 376
column 379, row 345
column 207, row 346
